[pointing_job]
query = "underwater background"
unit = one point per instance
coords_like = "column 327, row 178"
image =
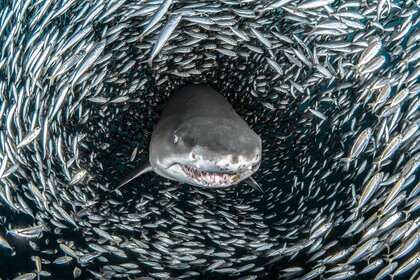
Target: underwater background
column 330, row 86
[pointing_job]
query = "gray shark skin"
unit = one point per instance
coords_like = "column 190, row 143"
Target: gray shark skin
column 201, row 141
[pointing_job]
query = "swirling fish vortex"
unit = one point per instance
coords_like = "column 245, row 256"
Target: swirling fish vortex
column 330, row 86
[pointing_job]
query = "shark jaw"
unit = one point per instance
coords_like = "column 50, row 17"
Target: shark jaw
column 204, row 178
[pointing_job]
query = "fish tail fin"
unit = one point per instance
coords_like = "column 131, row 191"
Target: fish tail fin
column 379, row 220
column 51, row 79
column 388, row 246
column 394, row 6
column 388, row 259
column 407, row 121
column 346, row 161
column 260, row 12
column 376, row 163
column 356, row 210
column 373, row 105
column 359, row 69
column 381, row 212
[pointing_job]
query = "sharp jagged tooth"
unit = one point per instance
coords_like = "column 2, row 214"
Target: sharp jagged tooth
column 209, row 178
column 225, row 176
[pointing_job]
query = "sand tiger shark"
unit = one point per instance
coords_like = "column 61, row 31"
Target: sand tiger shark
column 201, row 141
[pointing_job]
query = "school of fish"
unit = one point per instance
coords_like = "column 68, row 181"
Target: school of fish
column 332, row 88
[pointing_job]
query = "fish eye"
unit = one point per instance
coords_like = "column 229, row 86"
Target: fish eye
column 175, row 137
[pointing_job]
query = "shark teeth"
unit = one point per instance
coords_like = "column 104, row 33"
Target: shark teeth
column 209, row 178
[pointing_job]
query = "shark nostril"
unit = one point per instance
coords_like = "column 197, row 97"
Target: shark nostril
column 235, row 159
column 193, row 156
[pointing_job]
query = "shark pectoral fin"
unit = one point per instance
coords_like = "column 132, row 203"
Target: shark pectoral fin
column 252, row 183
column 144, row 167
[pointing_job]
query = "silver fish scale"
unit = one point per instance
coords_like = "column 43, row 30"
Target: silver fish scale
column 81, row 90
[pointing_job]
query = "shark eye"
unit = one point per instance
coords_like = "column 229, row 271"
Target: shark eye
column 175, row 137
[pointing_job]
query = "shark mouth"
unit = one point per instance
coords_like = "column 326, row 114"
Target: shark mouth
column 209, row 179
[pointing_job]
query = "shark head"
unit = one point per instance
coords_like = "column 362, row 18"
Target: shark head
column 200, row 140
column 208, row 152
